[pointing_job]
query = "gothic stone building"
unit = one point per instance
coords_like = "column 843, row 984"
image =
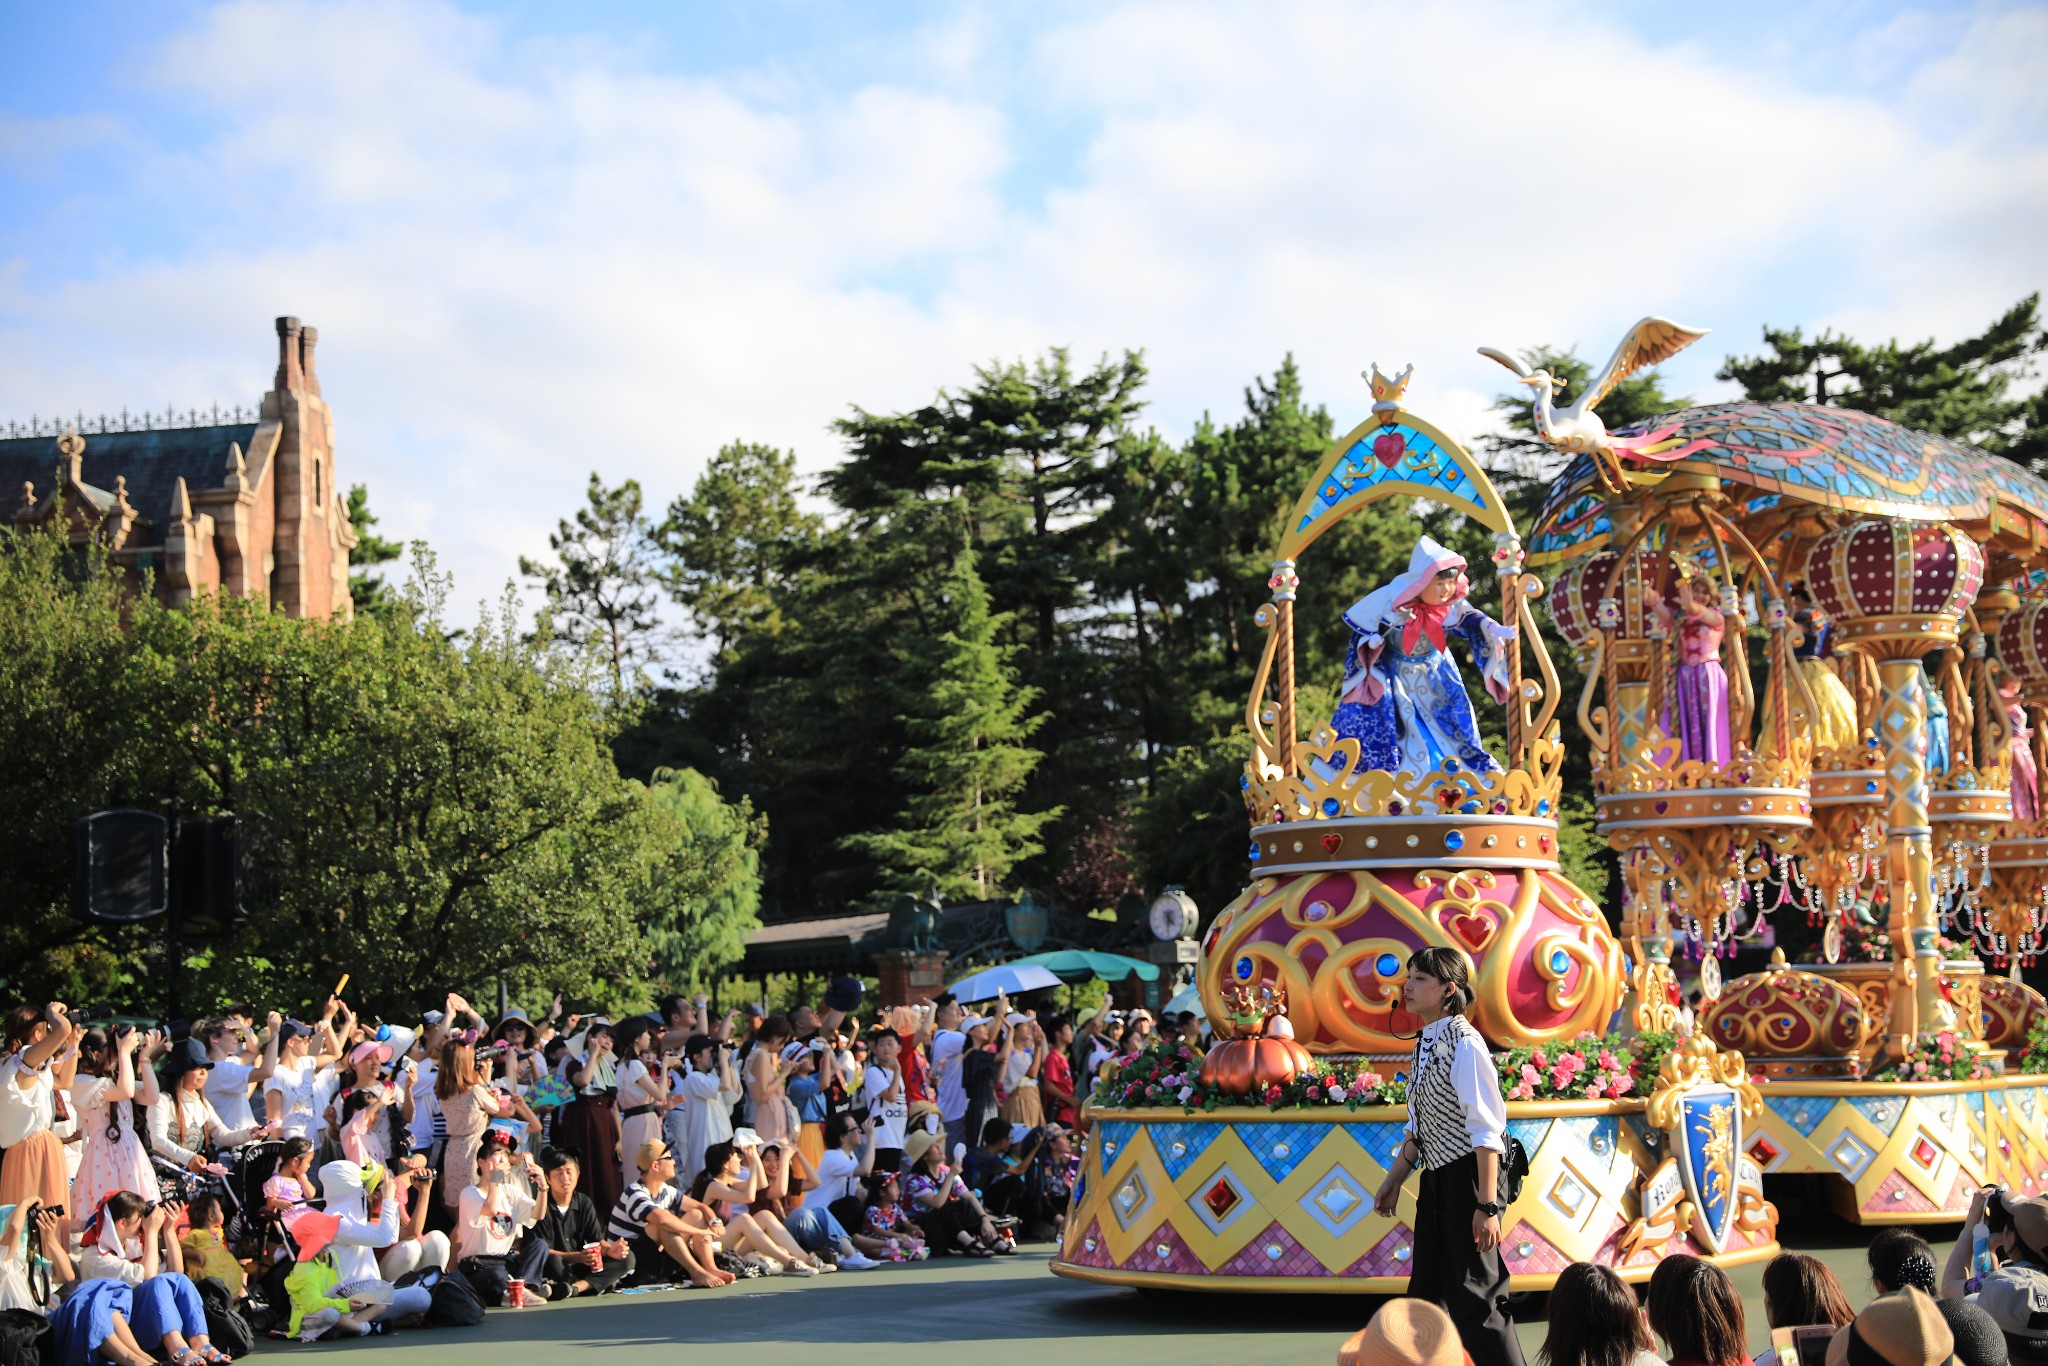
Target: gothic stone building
column 249, row 508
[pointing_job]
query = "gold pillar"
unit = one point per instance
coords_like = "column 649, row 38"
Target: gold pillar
column 1917, row 1006
column 1284, row 582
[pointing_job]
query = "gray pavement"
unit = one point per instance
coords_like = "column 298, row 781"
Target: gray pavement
column 1007, row 1311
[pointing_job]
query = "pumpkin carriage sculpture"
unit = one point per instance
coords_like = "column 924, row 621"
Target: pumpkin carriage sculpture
column 1754, row 593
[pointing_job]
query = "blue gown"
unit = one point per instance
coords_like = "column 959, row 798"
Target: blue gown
column 1423, row 715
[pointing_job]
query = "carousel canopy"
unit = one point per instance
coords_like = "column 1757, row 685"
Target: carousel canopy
column 1799, row 453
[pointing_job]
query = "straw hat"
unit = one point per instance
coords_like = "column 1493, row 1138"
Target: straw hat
column 1902, row 1328
column 1405, row 1333
column 918, row 1144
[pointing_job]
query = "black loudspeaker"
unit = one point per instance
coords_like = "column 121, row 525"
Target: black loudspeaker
column 119, row 870
column 207, row 868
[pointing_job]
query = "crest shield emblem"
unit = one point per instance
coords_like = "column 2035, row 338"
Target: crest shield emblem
column 1028, row 923
column 1707, row 1144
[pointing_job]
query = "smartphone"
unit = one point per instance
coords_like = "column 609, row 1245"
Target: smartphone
column 1804, row 1346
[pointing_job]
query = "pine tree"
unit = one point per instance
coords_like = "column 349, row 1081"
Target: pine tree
column 729, row 543
column 371, row 596
column 602, row 588
column 967, row 722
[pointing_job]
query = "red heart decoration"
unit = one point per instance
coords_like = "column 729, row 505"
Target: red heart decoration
column 1331, row 843
column 1389, row 447
column 1476, row 930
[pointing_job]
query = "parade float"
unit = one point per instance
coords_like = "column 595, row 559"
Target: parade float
column 1812, row 673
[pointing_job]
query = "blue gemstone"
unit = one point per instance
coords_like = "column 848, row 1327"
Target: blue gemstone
column 1386, row 965
column 1559, row 961
column 1255, row 851
column 1870, row 787
column 1454, row 840
column 1470, row 808
column 1543, row 807
column 1450, row 765
column 1244, row 780
column 1244, row 969
column 1331, row 806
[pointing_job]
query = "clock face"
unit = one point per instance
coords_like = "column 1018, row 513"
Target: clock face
column 1169, row 918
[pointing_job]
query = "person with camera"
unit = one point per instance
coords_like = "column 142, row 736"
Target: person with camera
column 35, row 1264
column 582, row 1259
column 733, row 1176
column 883, row 1092
column 765, row 1078
column 295, row 1092
column 133, row 1241
column 241, row 1061
column 114, row 1068
column 643, row 1094
column 981, row 1069
column 590, row 1122
column 40, row 1063
column 709, row 1089
column 1457, row 1124
column 377, row 1240
column 183, row 1123
column 469, row 1103
column 494, row 1209
column 2014, row 1233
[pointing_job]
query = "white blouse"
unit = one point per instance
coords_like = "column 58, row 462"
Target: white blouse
column 24, row 1112
column 1454, row 1102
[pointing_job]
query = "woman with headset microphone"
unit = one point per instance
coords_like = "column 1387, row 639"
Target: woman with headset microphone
column 1457, row 1124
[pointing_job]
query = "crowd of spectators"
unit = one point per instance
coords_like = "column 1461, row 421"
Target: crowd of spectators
column 174, row 1194
column 1985, row 1305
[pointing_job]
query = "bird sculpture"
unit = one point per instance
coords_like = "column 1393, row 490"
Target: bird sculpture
column 1578, row 429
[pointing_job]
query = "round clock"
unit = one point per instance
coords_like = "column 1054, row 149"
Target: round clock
column 1173, row 914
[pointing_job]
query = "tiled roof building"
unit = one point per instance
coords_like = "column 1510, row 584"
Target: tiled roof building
column 249, row 508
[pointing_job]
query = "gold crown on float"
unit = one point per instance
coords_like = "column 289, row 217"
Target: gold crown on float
column 1660, row 769
column 1327, row 784
column 1386, row 393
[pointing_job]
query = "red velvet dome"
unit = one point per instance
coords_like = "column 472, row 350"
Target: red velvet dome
column 1882, row 579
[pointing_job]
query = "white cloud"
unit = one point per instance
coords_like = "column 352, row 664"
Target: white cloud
column 531, row 259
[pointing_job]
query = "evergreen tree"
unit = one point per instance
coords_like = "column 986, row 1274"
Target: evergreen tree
column 601, row 592
column 1963, row 390
column 966, row 719
column 372, row 596
column 704, row 890
column 729, row 544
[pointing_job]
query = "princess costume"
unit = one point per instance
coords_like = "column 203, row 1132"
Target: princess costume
column 2026, row 796
column 1834, row 721
column 1699, row 689
column 1403, row 699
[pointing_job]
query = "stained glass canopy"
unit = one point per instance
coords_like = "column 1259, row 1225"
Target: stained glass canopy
column 1797, row 453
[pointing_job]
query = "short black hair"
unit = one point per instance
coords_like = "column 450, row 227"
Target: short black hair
column 554, row 1159
column 673, row 1005
column 201, row 1208
column 995, row 1131
column 1900, row 1257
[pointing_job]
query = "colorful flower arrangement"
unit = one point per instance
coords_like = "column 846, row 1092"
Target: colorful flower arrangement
column 1169, row 1074
column 1936, row 1057
column 2035, row 1059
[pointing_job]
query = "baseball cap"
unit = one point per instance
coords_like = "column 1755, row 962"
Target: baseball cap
column 2016, row 1298
column 792, row 1052
column 294, row 1029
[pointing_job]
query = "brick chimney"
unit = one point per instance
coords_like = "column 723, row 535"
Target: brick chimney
column 308, row 339
column 288, row 373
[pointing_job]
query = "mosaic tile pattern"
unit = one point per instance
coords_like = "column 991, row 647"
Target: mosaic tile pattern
column 1175, row 1257
column 1596, row 1139
column 1096, row 1256
column 1420, row 461
column 1192, row 1140
column 1542, row 1254
column 1339, row 1202
column 1896, row 1195
column 1882, row 1111
column 1280, row 1148
column 1532, row 1132
column 1388, row 1257
column 1378, row 1140
column 1259, row 1259
column 1109, row 1140
column 1804, row 1113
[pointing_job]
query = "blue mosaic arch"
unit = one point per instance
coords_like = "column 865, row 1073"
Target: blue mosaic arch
column 1395, row 455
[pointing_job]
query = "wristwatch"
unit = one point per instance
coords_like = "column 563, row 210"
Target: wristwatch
column 1492, row 1207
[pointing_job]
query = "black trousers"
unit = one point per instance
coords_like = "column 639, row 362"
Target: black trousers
column 1003, row 1196
column 616, row 1269
column 1449, row 1268
column 492, row 1277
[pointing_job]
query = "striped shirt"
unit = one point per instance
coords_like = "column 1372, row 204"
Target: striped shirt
column 629, row 1216
column 1454, row 1100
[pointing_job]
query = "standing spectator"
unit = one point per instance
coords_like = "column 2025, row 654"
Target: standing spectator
column 582, row 1259
column 764, row 1079
column 709, row 1090
column 679, row 1015
column 108, row 1078
column 980, row 1068
column 948, row 1046
column 1056, row 1076
column 294, row 1092
column 1694, row 1308
column 1137, row 1032
column 498, row 1203
column 643, row 1095
column 1020, row 1076
column 240, row 1063
column 1595, row 1321
column 470, row 1104
column 650, row 1217
column 590, row 1123
column 40, row 1062
column 806, row 1091
column 883, row 1092
column 1800, row 1292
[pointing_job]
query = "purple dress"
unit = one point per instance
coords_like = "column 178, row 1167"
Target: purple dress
column 1699, row 700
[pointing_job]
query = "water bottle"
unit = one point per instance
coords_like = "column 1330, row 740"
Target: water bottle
column 1980, row 1256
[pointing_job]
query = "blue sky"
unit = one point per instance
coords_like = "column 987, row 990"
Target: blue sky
column 541, row 239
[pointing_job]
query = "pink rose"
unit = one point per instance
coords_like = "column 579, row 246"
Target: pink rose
column 1947, row 1040
column 1536, row 1056
column 1607, row 1062
column 1315, row 1092
column 1560, row 1076
column 1530, row 1076
column 1523, row 1092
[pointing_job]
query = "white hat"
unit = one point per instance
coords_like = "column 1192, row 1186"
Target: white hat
column 745, row 1138
column 1015, row 1017
column 792, row 1052
column 972, row 1023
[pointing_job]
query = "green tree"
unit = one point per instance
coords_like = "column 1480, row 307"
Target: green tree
column 1962, row 390
column 966, row 718
column 372, row 596
column 704, row 884
column 601, row 589
column 727, row 546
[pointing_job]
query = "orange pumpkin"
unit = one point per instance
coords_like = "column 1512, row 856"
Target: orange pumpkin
column 1240, row 1067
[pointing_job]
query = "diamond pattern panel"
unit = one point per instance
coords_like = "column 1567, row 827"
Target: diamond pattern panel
column 1110, row 1139
column 1163, row 1250
column 1882, row 1111
column 1231, row 1200
column 1803, row 1113
column 1275, row 1253
column 1850, row 1155
column 1525, row 1251
column 1131, row 1202
column 1596, row 1139
column 1092, row 1250
column 1279, row 1148
column 1389, row 1256
column 1182, row 1144
column 1896, row 1195
column 1378, row 1140
column 1975, row 1100
column 1338, row 1202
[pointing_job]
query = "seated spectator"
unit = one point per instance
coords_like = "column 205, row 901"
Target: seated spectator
column 205, row 1244
column 901, row 1239
column 661, row 1233
column 582, row 1260
column 995, row 1170
column 182, row 1122
column 787, row 1178
column 1898, row 1258
column 289, row 1191
column 493, row 1210
column 29, row 1250
column 132, row 1241
column 1900, row 1329
column 952, row 1219
column 849, row 1158
column 728, row 1183
column 321, row 1302
column 1405, row 1332
column 1800, row 1292
column 2018, row 1230
column 1979, row 1339
column 1694, row 1308
column 373, row 1240
column 1049, row 1186
column 1594, row 1320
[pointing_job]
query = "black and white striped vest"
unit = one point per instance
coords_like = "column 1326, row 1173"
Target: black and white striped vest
column 1434, row 1105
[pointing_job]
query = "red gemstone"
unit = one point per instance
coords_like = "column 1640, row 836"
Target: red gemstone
column 1924, row 1152
column 1543, row 843
column 1330, row 843
column 1221, row 1198
column 1763, row 1151
column 1388, row 448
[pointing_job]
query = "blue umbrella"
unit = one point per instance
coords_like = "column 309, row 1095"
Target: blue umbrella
column 1013, row 979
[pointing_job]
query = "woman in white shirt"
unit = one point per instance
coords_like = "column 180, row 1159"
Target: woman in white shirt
column 109, row 1077
column 1457, row 1123
column 38, row 1063
column 133, row 1241
column 183, row 1122
column 295, row 1093
column 1020, row 1075
column 492, row 1212
column 709, row 1090
column 643, row 1095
